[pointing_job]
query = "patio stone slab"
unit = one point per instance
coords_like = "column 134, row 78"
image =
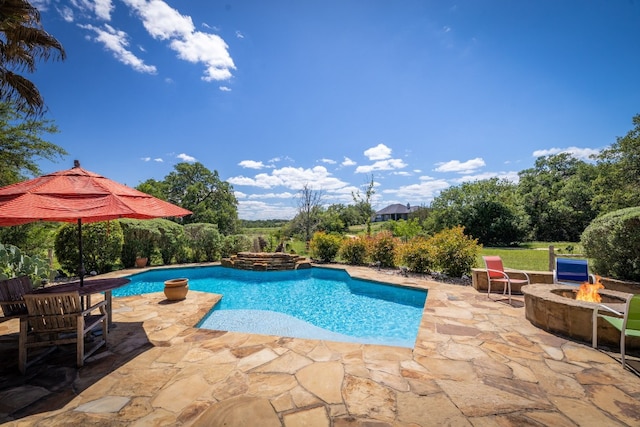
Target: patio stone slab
column 476, row 362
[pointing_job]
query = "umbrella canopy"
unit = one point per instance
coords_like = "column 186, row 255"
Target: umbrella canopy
column 77, row 195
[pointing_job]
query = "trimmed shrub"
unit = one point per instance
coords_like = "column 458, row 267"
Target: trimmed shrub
column 204, row 240
column 325, row 247
column 454, row 253
column 101, row 246
column 353, row 251
column 235, row 243
column 140, row 239
column 416, row 254
column 382, row 247
column 172, row 241
column 612, row 242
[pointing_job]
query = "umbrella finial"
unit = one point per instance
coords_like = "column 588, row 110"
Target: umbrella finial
column 76, row 163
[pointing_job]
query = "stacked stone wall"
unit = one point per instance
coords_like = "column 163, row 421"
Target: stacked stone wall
column 266, row 261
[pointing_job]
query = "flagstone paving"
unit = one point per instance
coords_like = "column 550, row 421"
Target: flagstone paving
column 476, row 362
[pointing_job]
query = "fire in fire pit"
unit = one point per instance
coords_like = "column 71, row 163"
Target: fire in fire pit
column 589, row 291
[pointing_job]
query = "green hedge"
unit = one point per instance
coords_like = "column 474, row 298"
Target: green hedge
column 612, row 243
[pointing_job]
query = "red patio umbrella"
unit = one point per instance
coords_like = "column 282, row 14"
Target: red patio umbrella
column 77, row 195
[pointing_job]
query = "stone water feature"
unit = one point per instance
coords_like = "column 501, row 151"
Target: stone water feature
column 266, row 261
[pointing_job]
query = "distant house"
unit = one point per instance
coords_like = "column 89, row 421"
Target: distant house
column 394, row 212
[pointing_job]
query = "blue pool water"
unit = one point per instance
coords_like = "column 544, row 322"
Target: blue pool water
column 314, row 303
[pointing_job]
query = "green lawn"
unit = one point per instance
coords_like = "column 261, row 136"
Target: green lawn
column 531, row 256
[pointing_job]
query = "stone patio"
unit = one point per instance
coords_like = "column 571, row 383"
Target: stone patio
column 476, row 362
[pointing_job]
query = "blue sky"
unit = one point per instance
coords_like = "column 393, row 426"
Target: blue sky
column 274, row 95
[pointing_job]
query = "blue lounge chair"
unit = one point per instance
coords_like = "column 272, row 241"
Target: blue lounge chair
column 571, row 271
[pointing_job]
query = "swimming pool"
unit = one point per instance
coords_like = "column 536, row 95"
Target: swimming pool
column 316, row 303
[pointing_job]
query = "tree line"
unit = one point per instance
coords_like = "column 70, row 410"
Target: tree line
column 555, row 200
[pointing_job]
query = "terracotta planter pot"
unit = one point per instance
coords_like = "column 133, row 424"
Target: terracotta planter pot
column 141, row 262
column 176, row 289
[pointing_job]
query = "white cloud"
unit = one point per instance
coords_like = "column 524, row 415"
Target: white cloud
column 383, row 165
column 239, row 35
column 253, row 209
column 186, row 158
column 225, row 89
column 460, row 167
column 208, row 49
column 348, row 162
column 148, row 159
column 420, row 193
column 328, row 161
column 379, row 152
column 103, row 9
column 162, row 22
column 284, row 195
column 578, row 153
column 251, row 164
column 67, row 14
column 116, row 42
column 317, row 178
column 509, row 176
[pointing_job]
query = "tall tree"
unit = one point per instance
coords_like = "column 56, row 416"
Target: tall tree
column 363, row 203
column 556, row 194
column 21, row 144
column 490, row 210
column 617, row 185
column 309, row 208
column 211, row 200
column 23, row 41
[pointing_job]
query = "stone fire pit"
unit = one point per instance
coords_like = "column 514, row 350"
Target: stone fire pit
column 553, row 307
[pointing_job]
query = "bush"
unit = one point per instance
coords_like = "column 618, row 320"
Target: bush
column 416, row 254
column 172, row 241
column 454, row 253
column 382, row 248
column 235, row 243
column 612, row 241
column 204, row 240
column 325, row 247
column 140, row 239
column 101, row 246
column 353, row 251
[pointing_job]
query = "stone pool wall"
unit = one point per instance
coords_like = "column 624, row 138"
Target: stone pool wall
column 266, row 261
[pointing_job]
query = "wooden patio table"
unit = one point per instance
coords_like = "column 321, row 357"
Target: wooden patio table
column 91, row 286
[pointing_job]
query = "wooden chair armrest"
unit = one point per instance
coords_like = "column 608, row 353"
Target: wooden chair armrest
column 101, row 305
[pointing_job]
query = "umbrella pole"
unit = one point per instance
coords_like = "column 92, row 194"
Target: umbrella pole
column 81, row 268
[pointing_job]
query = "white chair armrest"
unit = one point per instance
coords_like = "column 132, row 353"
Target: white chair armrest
column 505, row 275
column 604, row 307
column 519, row 271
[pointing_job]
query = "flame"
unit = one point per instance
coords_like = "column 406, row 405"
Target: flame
column 589, row 291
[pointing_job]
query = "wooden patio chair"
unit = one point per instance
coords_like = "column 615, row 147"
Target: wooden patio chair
column 58, row 318
column 12, row 292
